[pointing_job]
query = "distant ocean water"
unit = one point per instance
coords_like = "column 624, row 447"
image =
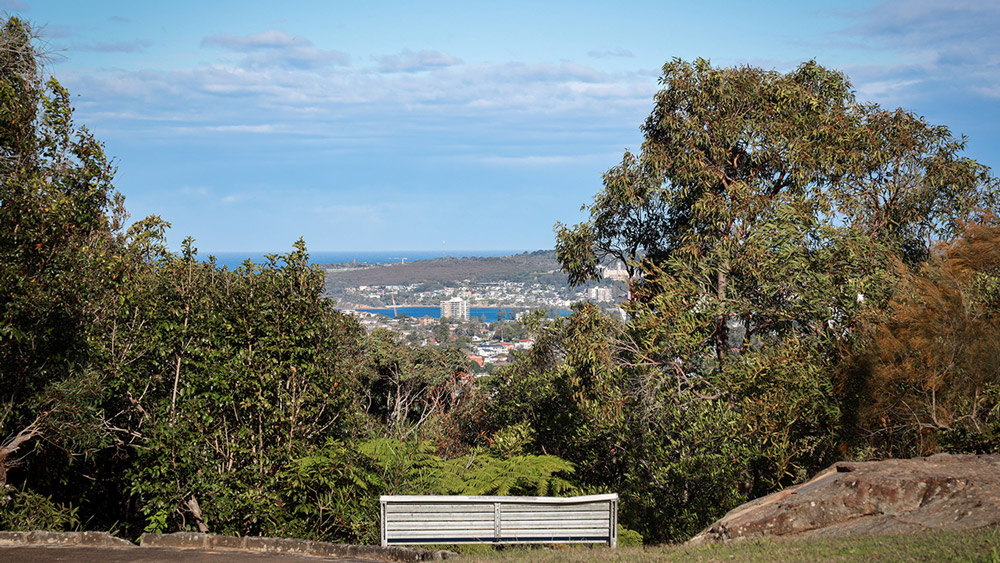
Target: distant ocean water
column 234, row 259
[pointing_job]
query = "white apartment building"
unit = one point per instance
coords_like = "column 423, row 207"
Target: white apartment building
column 599, row 294
column 455, row 308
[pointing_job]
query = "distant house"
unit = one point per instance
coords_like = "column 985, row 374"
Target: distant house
column 491, row 352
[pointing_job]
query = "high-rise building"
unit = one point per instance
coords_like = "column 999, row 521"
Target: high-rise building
column 599, row 294
column 455, row 308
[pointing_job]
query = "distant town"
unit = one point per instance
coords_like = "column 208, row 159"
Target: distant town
column 481, row 316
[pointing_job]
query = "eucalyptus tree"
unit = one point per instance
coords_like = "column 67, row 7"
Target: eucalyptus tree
column 748, row 177
column 758, row 223
column 60, row 218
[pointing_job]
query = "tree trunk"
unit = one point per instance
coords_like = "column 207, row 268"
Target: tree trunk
column 722, row 320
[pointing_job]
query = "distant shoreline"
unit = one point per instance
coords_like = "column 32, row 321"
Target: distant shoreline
column 353, row 307
column 233, row 259
column 489, row 314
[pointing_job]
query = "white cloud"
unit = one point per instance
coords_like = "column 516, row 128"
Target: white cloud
column 530, row 160
column 992, row 91
column 885, row 88
column 932, row 23
column 14, row 6
column 271, row 39
column 611, row 53
column 934, row 47
column 237, row 94
column 119, row 47
column 274, row 48
column 244, row 128
column 409, row 61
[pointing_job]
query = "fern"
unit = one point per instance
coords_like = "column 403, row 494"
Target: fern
column 484, row 474
column 410, row 467
column 407, row 467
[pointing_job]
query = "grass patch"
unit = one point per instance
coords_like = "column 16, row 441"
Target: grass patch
column 976, row 545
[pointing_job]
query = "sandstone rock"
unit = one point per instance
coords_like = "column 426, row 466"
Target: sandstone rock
column 896, row 496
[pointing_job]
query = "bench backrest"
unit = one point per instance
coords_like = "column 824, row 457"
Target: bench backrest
column 430, row 519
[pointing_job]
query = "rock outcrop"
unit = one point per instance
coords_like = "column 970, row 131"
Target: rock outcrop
column 896, row 496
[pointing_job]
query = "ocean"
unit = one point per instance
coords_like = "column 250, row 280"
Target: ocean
column 234, row 259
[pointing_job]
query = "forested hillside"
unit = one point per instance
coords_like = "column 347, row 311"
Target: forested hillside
column 539, row 266
column 814, row 279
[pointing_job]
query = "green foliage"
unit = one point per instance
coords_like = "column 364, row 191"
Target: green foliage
column 333, row 494
column 409, row 468
column 927, row 376
column 243, row 371
column 628, row 538
column 483, row 474
column 60, row 230
column 512, row 440
column 758, row 225
column 405, row 467
column 26, row 510
column 403, row 388
column 688, row 465
column 566, row 389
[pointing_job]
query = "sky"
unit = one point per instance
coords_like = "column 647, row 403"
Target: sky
column 411, row 125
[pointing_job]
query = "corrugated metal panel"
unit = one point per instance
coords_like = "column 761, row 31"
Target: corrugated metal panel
column 411, row 520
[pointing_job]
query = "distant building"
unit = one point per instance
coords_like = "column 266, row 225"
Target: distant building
column 491, row 353
column 599, row 294
column 618, row 273
column 455, row 308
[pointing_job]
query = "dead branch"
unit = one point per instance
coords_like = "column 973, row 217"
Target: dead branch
column 12, row 445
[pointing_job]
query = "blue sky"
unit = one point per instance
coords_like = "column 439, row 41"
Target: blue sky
column 401, row 125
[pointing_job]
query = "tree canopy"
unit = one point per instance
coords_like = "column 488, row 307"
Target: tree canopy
column 767, row 203
column 762, row 224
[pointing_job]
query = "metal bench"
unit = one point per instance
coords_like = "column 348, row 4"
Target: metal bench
column 429, row 519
